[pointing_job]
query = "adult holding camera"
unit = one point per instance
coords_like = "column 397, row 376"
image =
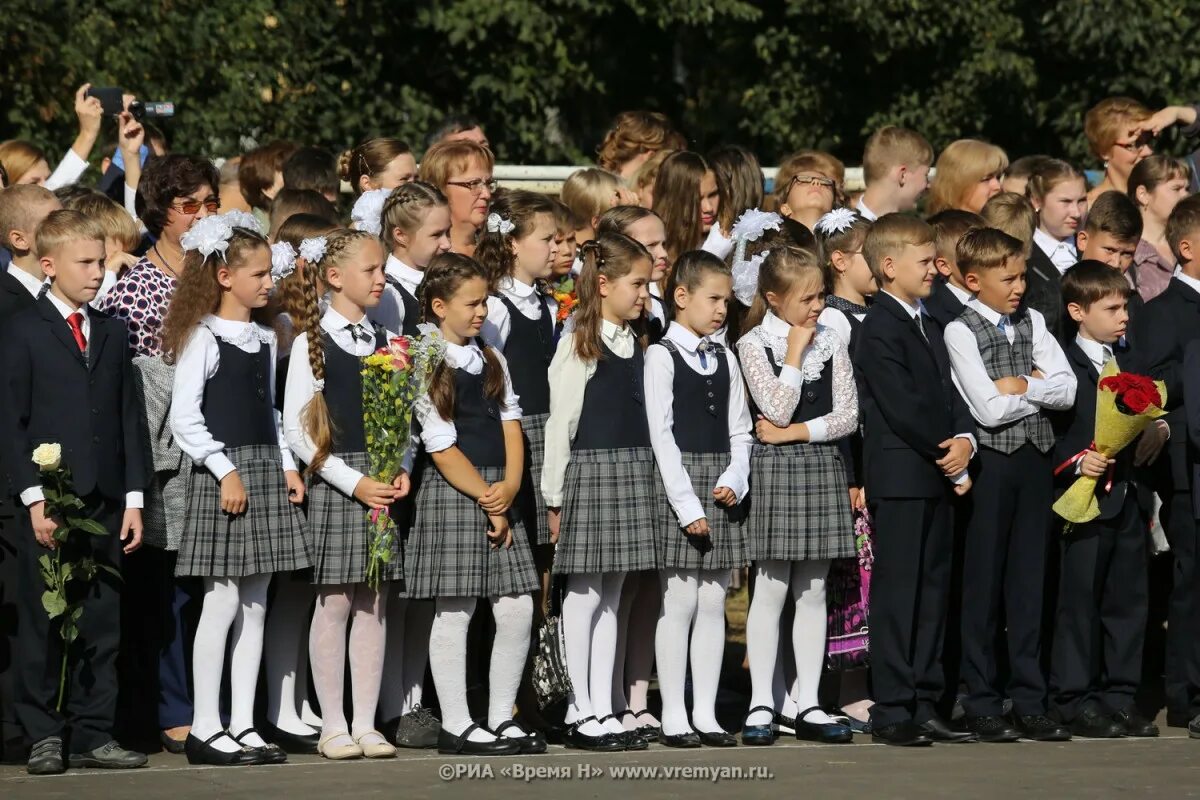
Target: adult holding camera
column 25, row 162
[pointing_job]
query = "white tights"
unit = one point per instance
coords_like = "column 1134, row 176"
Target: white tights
column 240, row 604
column 687, row 596
column 408, row 626
column 336, row 605
column 513, row 614
column 589, row 618
column 807, row 579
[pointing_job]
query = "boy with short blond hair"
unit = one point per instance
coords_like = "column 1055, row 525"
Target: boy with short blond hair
column 1012, row 213
column 22, row 209
column 949, row 293
column 896, row 164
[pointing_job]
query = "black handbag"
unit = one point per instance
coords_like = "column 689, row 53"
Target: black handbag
column 550, row 679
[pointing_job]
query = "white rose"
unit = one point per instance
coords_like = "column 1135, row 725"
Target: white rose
column 48, row 457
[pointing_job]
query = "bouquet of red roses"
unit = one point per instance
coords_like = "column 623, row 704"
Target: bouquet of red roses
column 1125, row 404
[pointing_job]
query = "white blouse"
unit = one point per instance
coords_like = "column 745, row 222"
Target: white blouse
column 660, row 397
column 194, row 367
column 526, row 299
column 778, row 396
column 438, row 433
column 389, row 314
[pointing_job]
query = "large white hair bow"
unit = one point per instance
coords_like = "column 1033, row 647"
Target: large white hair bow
column 498, row 224
column 313, row 250
column 836, row 221
column 283, row 260
column 367, row 214
column 244, row 219
column 745, row 278
column 750, row 227
column 208, row 235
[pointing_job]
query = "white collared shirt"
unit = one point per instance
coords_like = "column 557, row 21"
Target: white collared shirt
column 964, row 296
column 526, row 298
column 28, row 281
column 656, row 307
column 1061, row 252
column 389, row 314
column 660, row 398
column 991, row 408
column 194, row 367
column 1187, row 280
column 438, row 433
column 866, row 213
column 34, row 494
column 569, row 375
column 1099, row 354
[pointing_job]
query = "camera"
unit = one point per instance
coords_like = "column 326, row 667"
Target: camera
column 143, row 111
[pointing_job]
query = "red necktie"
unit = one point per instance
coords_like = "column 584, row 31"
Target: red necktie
column 75, row 321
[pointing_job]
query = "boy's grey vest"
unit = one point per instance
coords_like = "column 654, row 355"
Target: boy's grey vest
column 1004, row 360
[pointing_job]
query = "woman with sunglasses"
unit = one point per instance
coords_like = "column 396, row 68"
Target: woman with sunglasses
column 159, row 610
column 462, row 170
column 808, row 186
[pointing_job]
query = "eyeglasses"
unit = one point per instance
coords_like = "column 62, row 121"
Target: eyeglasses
column 1143, row 140
column 476, row 186
column 190, row 206
column 812, row 180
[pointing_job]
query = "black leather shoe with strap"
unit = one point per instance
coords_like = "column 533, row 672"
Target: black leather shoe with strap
column 758, row 734
column 451, row 745
column 46, row 757
column 271, row 753
column 530, row 743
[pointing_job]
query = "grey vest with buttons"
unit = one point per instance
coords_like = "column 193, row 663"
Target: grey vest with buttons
column 1002, row 360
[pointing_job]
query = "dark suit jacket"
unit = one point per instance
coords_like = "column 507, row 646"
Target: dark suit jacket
column 1191, row 379
column 909, row 403
column 941, row 304
column 1160, row 334
column 1075, row 428
column 13, row 297
column 89, row 406
column 1043, row 291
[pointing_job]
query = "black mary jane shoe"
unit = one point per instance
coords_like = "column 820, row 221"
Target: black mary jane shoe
column 271, row 753
column 173, row 746
column 294, row 743
column 682, row 740
column 604, row 743
column 530, row 743
column 451, row 745
column 633, row 740
column 823, row 732
column 648, row 732
column 758, row 734
column 717, row 739
column 202, row 752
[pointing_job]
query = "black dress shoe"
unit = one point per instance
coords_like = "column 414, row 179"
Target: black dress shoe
column 270, row 753
column 758, row 734
column 172, row 746
column 451, row 745
column 295, row 743
column 717, row 739
column 1134, row 724
column 633, row 740
column 46, row 757
column 901, row 734
column 648, row 732
column 199, row 752
column 530, row 743
column 824, row 732
column 108, row 756
column 689, row 739
column 990, row 729
column 1091, row 724
column 937, row 730
column 604, row 743
column 1041, row 728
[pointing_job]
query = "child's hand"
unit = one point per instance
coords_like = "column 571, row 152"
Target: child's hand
column 1011, row 385
column 402, row 484
column 233, row 494
column 958, row 455
column 768, row 432
column 962, row 488
column 798, row 338
column 858, row 498
column 724, row 496
column 698, row 528
column 131, row 529
column 43, row 526
column 1095, row 464
column 499, row 532
column 88, row 110
column 1151, row 443
column 498, row 498
column 295, row 487
column 553, row 518
column 374, row 494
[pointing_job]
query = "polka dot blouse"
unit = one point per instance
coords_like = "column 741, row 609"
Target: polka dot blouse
column 140, row 298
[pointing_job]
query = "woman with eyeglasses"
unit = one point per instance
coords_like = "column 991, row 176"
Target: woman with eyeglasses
column 462, row 170
column 808, row 186
column 1120, row 132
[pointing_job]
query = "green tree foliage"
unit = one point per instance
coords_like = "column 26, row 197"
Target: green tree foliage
column 546, row 76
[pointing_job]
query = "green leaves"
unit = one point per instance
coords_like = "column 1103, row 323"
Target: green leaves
column 54, row 603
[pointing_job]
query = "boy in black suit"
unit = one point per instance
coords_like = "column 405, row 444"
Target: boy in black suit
column 1096, row 660
column 1169, row 323
column 1111, row 234
column 68, row 379
column 918, row 440
column 945, row 301
column 1009, row 369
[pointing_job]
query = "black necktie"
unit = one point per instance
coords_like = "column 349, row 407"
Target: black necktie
column 359, row 333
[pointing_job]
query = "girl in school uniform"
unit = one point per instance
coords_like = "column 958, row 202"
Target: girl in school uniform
column 323, row 421
column 242, row 524
column 598, row 478
column 467, row 539
column 700, row 430
column 646, row 228
column 801, row 381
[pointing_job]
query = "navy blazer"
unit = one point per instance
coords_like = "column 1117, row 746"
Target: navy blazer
column 909, row 403
column 1043, row 291
column 89, row 406
column 942, row 304
column 14, row 297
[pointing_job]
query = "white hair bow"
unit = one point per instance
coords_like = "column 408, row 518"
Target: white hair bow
column 313, row 250
column 750, row 227
column 244, row 219
column 283, row 260
column 836, row 221
column 745, row 278
column 208, row 235
column 367, row 214
column 498, row 224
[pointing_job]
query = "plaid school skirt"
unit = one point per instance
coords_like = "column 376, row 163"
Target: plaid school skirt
column 609, row 517
column 800, row 507
column 269, row 537
column 530, row 500
column 448, row 553
column 341, row 533
column 725, row 545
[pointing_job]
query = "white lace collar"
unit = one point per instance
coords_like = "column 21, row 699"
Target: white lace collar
column 773, row 332
column 237, row 333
